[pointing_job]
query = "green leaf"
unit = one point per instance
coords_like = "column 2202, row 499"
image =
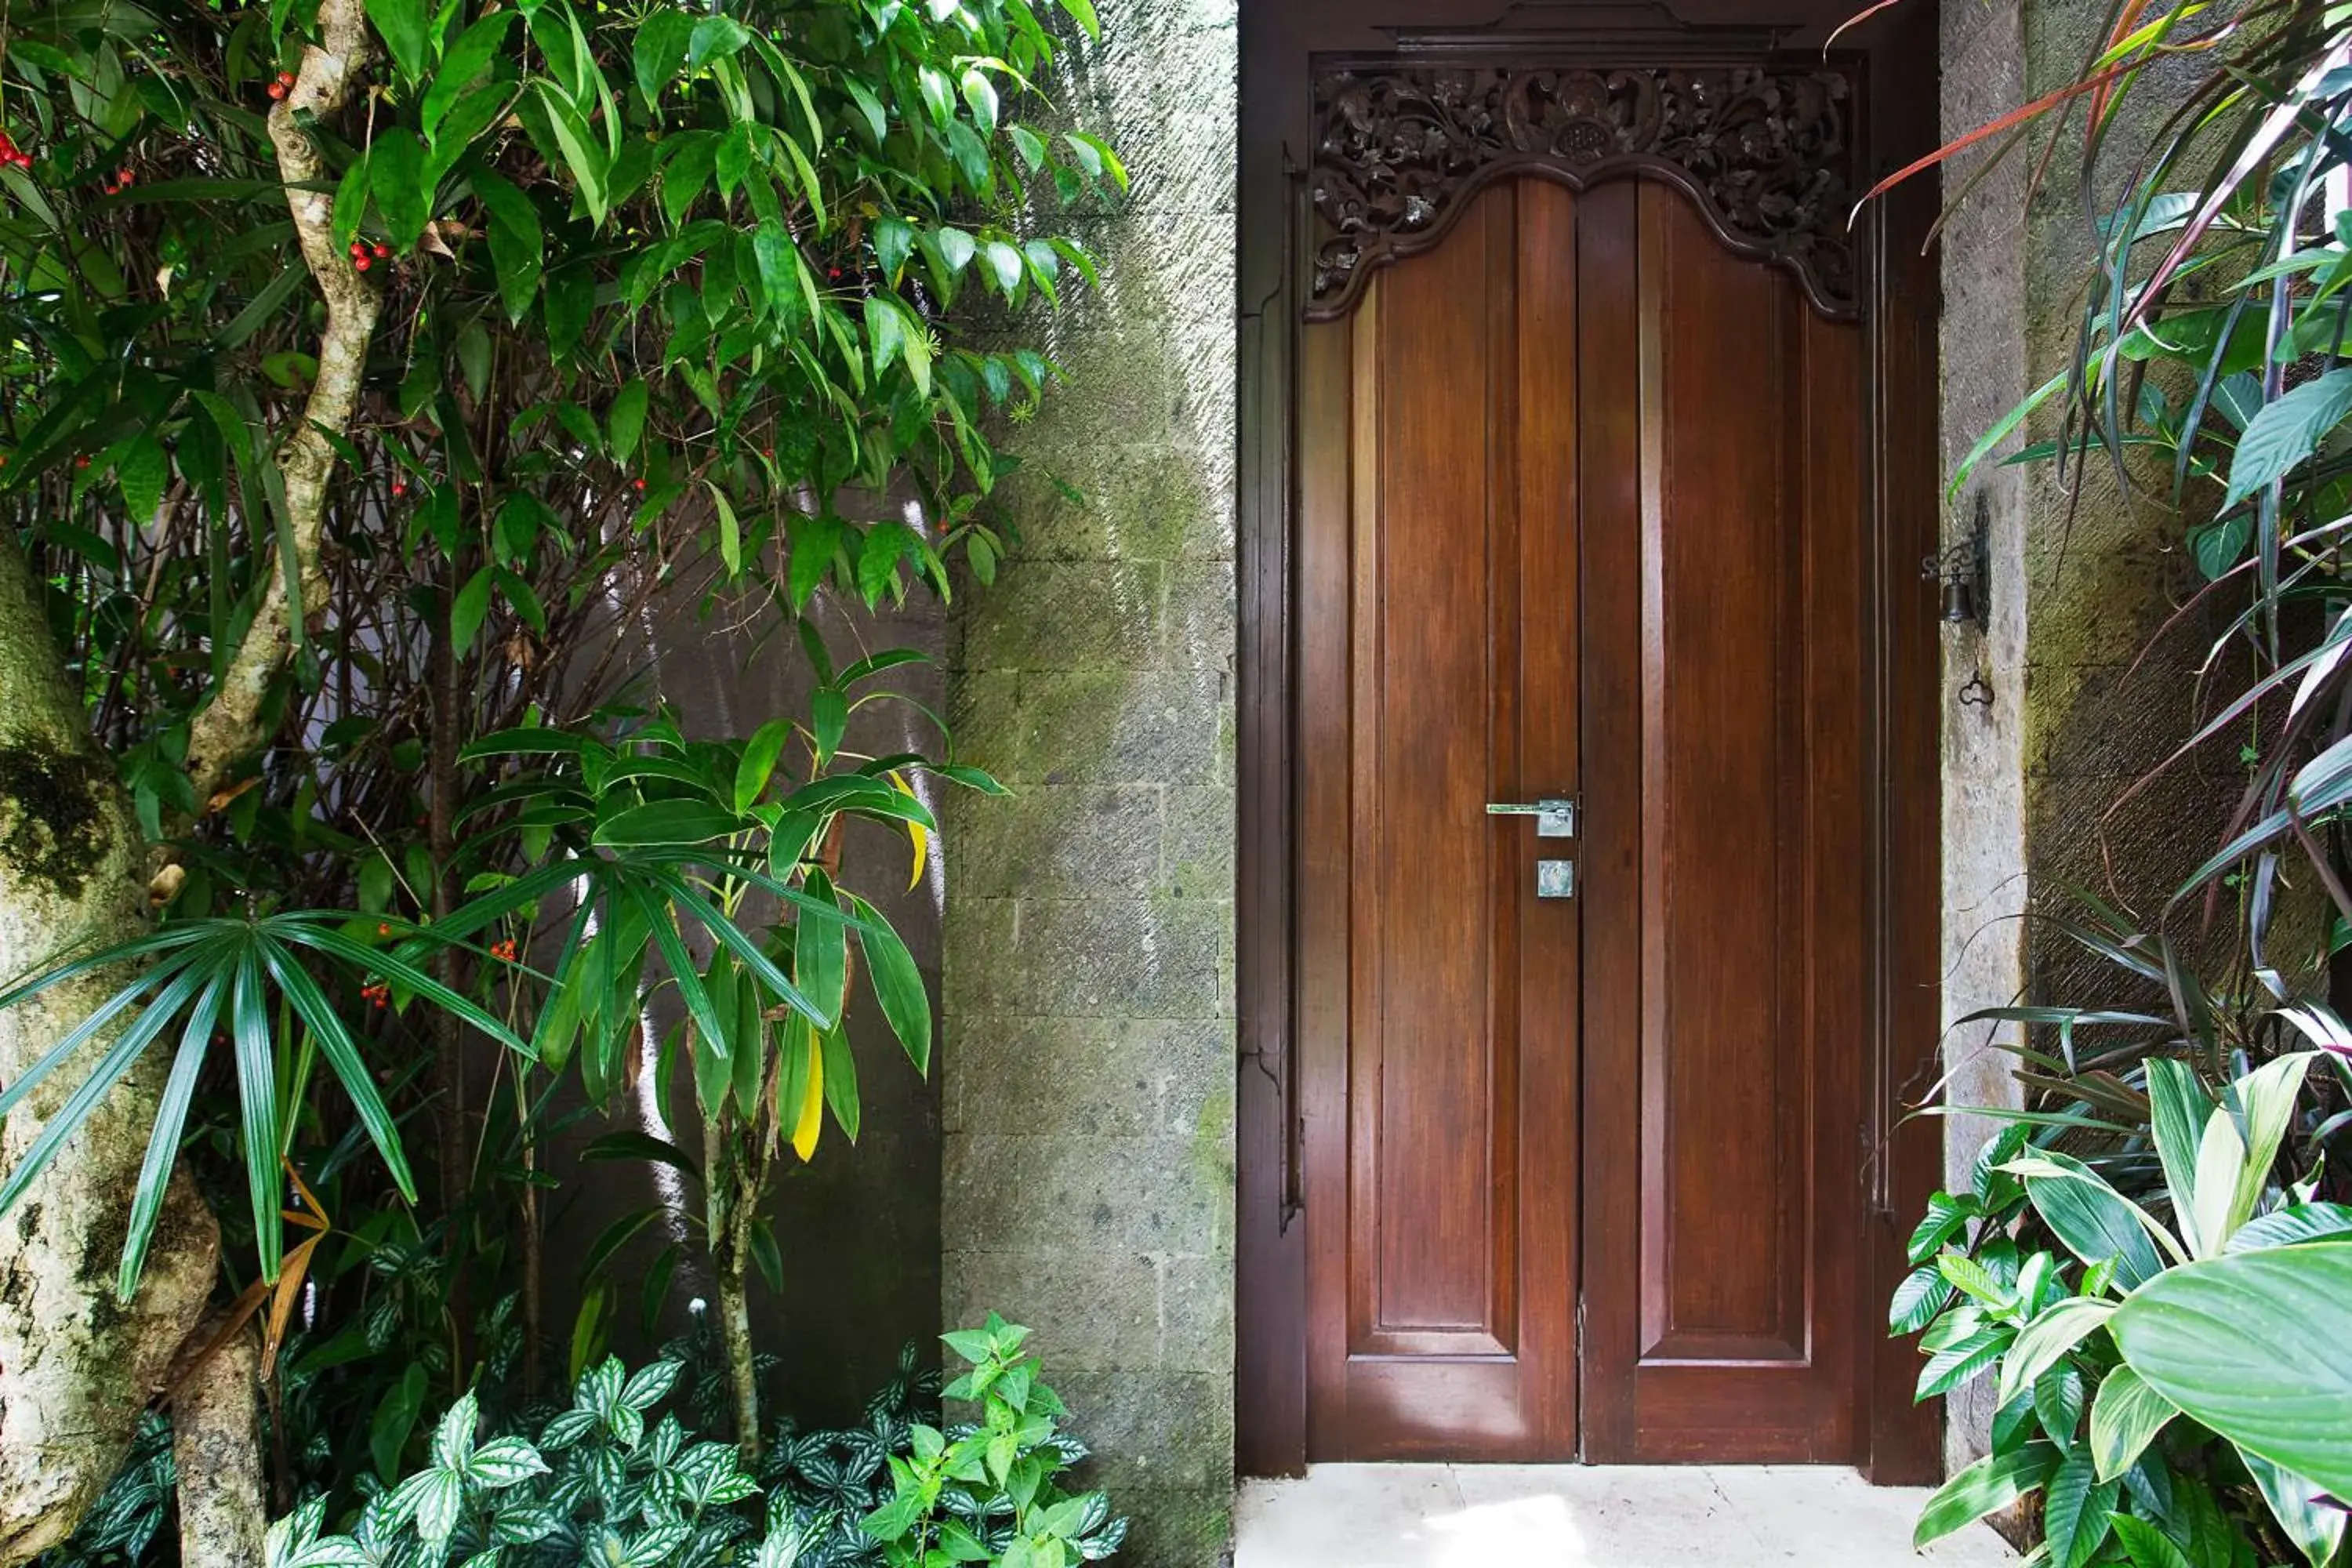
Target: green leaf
column 402, row 25
column 468, row 610
column 820, row 951
column 580, row 153
column 2251, row 1344
column 1992, row 1483
column 758, row 764
column 2307, row 1517
column 2048, row 1337
column 517, row 245
column 668, row 822
column 2074, row 1511
column 2126, row 1416
column 464, row 63
column 2294, row 1223
column 731, row 531
column 2287, row 431
column 625, row 420
column 898, row 984
column 394, row 1418
column 2148, row 1546
column 715, row 37
column 2094, row 1221
column 661, row 49
column 396, row 180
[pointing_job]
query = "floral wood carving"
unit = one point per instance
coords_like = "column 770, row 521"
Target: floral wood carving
column 1768, row 153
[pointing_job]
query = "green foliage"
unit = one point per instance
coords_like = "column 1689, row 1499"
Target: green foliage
column 2063, row 1331
column 613, row 1479
column 988, row 1491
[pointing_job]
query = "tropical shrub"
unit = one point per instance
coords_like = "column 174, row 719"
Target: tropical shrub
column 374, row 372
column 2077, row 1419
column 2149, row 1242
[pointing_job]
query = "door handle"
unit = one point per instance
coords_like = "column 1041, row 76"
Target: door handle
column 1555, row 818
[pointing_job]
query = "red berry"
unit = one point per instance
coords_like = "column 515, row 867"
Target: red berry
column 363, row 264
column 122, row 178
column 382, row 251
column 638, row 485
column 400, row 487
column 277, row 90
column 286, row 79
column 81, row 460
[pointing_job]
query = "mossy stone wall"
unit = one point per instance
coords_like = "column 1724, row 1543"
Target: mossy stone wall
column 1087, row 1062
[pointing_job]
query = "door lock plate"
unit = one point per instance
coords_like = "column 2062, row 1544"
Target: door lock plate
column 1555, row 878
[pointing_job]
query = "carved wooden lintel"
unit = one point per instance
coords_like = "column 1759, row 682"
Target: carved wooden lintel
column 1767, row 152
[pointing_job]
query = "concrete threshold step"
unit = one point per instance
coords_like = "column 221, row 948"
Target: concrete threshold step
column 1580, row 1516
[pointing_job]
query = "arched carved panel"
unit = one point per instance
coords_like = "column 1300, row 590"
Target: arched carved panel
column 1767, row 153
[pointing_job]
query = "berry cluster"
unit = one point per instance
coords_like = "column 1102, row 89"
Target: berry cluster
column 504, row 951
column 11, row 155
column 364, row 255
column 119, row 182
column 378, row 992
column 283, row 85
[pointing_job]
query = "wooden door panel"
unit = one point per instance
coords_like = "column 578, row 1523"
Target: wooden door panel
column 1579, row 512
column 1726, row 1032
column 1437, row 581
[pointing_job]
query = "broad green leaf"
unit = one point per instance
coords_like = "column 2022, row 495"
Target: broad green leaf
column 2294, row 1223
column 661, row 47
column 2126, row 1416
column 668, row 822
column 819, row 951
column 2287, row 431
column 2313, row 1523
column 468, row 610
column 898, row 984
column 2048, row 1337
column 396, row 181
column 1992, row 1483
column 461, row 66
column 402, row 25
column 2147, row 1546
column 516, row 244
column 625, row 420
column 2074, row 1509
column 144, row 471
column 2251, row 1345
column 715, row 37
column 2094, row 1221
column 2178, row 1108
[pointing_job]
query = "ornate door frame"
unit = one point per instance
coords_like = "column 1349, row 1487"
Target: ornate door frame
column 1365, row 126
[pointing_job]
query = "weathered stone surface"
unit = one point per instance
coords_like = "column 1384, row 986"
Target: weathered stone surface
column 1111, row 1079
column 1088, row 1063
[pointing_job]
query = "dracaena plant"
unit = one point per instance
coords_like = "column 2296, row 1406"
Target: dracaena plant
column 2072, row 1297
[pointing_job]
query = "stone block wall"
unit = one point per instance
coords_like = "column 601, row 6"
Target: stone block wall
column 1087, row 1064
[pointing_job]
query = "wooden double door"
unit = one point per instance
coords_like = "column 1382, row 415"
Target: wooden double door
column 1580, row 518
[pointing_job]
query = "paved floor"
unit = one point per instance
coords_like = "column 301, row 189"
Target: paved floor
column 1574, row 1516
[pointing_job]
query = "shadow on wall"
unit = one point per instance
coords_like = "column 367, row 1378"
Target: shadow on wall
column 858, row 1227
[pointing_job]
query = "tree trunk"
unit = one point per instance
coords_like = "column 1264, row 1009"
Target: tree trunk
column 76, row 1366
column 217, row 1445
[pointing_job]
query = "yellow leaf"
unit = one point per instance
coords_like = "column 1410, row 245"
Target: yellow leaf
column 812, row 1119
column 916, row 834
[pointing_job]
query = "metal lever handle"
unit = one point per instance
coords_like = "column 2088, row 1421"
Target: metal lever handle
column 1554, row 819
